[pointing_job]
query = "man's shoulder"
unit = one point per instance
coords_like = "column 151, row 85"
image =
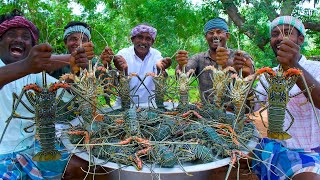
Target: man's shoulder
column 126, row 50
column 154, row 51
column 309, row 64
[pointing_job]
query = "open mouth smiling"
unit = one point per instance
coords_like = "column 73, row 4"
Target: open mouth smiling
column 16, row 51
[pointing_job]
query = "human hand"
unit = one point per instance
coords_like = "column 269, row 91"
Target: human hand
column 288, row 54
column 222, row 56
column 182, row 58
column 120, row 63
column 39, row 58
column 106, row 56
column 164, row 63
column 88, row 46
column 244, row 62
column 78, row 60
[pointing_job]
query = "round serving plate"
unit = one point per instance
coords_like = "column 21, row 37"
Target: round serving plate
column 188, row 171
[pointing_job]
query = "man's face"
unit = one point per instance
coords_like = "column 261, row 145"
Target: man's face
column 281, row 32
column 142, row 43
column 74, row 40
column 15, row 45
column 216, row 38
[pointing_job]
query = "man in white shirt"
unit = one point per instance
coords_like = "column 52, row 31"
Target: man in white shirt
column 21, row 62
column 140, row 58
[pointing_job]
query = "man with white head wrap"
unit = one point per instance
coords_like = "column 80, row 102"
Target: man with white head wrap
column 297, row 157
column 139, row 58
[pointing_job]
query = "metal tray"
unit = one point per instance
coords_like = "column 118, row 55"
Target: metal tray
column 122, row 172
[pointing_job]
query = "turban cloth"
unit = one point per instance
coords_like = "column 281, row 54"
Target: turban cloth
column 290, row 20
column 216, row 23
column 76, row 29
column 19, row 22
column 142, row 29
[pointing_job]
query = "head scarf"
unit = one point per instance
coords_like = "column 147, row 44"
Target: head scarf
column 20, row 22
column 144, row 28
column 290, row 20
column 76, row 29
column 216, row 23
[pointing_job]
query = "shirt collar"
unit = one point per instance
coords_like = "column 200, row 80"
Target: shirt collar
column 1, row 63
column 207, row 54
column 302, row 60
column 147, row 56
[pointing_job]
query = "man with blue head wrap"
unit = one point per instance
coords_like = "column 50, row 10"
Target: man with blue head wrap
column 297, row 157
column 216, row 33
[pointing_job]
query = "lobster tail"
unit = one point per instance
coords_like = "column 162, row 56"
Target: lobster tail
column 47, row 156
column 278, row 135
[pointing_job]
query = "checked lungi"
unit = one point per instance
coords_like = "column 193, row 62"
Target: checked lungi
column 279, row 162
column 19, row 165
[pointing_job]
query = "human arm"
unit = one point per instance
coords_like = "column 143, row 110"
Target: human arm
column 37, row 61
column 77, row 60
column 163, row 64
column 288, row 56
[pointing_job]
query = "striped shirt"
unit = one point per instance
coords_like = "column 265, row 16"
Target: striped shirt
column 305, row 130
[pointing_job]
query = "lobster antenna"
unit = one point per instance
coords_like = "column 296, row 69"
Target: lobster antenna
column 81, row 37
column 311, row 100
column 219, row 45
column 101, row 36
column 238, row 41
column 281, row 32
column 290, row 31
column 246, row 97
column 44, row 79
column 240, row 73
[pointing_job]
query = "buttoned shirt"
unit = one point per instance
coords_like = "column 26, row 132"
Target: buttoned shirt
column 305, row 129
column 198, row 62
column 141, row 67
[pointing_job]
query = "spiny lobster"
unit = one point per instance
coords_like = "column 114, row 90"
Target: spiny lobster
column 280, row 83
column 44, row 105
column 220, row 80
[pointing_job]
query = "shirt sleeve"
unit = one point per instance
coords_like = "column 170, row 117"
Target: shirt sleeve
column 123, row 53
column 158, row 56
column 193, row 63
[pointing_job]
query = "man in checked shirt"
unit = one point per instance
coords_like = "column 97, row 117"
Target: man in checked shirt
column 216, row 33
column 297, row 157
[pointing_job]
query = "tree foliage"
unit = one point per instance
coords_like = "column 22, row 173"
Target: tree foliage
column 179, row 23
